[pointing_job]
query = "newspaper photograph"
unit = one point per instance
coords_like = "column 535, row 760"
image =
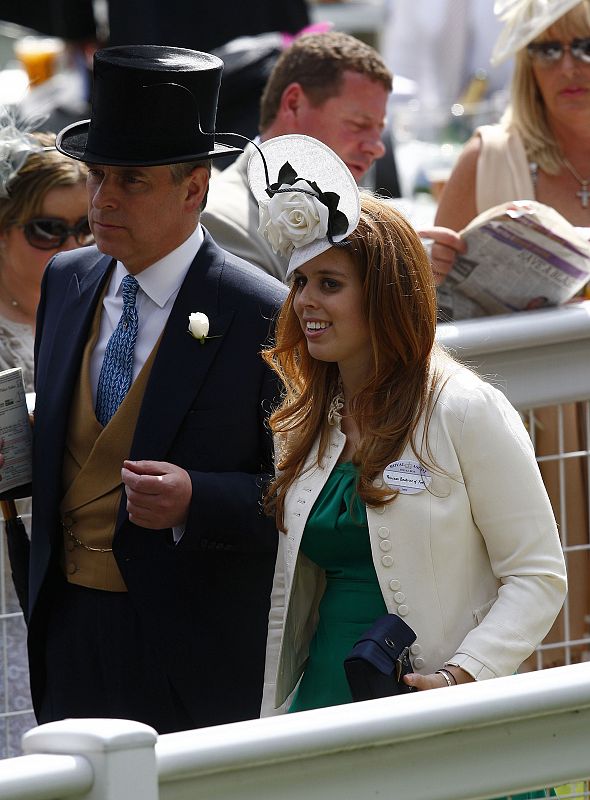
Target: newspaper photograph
column 15, row 429
column 520, row 255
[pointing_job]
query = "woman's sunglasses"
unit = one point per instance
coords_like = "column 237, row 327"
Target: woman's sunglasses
column 548, row 53
column 49, row 233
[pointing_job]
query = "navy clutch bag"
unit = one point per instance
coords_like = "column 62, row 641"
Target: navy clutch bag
column 378, row 661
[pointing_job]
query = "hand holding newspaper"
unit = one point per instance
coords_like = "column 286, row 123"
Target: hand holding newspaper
column 15, row 430
column 520, row 255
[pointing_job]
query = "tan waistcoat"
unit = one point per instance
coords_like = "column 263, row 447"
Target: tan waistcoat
column 93, row 459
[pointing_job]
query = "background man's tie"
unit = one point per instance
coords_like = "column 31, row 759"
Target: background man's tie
column 116, row 372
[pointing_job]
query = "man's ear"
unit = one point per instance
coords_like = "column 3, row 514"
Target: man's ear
column 197, row 186
column 291, row 101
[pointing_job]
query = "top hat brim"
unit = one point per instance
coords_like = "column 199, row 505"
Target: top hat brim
column 72, row 141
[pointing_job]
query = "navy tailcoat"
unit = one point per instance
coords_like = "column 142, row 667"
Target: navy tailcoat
column 204, row 601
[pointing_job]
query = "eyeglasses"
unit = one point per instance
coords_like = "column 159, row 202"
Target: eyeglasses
column 49, row 233
column 549, row 53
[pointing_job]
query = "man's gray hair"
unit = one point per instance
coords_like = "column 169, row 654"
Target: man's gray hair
column 181, row 171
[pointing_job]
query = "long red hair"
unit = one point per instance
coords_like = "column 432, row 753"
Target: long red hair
column 400, row 306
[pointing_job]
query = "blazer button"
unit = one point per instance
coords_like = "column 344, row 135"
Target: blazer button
column 415, row 649
column 383, row 532
column 68, row 521
column 378, row 483
column 385, row 545
column 418, row 662
column 70, row 546
column 399, row 597
column 387, row 561
column 402, row 610
column 394, row 585
column 71, row 568
column 379, row 510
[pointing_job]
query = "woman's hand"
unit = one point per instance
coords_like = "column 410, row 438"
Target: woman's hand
column 446, row 246
column 436, row 680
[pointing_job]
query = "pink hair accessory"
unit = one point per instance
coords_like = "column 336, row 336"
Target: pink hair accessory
column 316, row 27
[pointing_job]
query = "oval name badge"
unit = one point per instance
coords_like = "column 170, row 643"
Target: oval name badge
column 408, row 477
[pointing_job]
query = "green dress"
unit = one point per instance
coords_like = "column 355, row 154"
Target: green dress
column 336, row 538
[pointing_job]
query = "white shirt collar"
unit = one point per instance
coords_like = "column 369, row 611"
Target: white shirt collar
column 160, row 280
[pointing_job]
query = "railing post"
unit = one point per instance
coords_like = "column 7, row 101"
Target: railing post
column 121, row 753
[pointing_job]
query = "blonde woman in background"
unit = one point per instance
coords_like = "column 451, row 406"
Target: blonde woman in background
column 540, row 151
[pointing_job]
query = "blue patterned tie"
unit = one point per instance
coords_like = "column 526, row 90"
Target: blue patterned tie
column 116, row 372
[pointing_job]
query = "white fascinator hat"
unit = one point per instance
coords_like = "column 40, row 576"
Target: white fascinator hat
column 307, row 197
column 524, row 21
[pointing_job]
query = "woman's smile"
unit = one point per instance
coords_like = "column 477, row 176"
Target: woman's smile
column 315, row 328
column 329, row 305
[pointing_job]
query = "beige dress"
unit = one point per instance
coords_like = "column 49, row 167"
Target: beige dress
column 503, row 174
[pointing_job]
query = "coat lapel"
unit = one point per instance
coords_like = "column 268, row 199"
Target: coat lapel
column 182, row 362
column 69, row 336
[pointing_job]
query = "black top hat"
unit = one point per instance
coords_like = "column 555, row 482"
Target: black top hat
column 150, row 105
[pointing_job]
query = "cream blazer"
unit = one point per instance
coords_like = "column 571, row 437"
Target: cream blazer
column 473, row 563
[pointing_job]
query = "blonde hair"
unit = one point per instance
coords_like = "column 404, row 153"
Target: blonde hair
column 527, row 113
column 42, row 171
column 400, row 307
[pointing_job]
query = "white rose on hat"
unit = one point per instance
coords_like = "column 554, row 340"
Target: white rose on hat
column 307, row 196
column 292, row 219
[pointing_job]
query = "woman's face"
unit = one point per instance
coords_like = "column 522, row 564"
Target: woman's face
column 564, row 85
column 329, row 305
column 66, row 203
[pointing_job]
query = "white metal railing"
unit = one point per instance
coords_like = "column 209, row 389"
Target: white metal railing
column 537, row 358
column 469, row 742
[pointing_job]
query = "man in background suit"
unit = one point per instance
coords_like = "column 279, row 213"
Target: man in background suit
column 151, row 560
column 330, row 86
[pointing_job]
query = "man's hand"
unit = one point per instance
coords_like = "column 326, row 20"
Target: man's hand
column 158, row 493
column 446, row 245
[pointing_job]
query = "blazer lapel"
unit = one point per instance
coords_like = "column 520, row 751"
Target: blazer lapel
column 70, row 335
column 182, row 362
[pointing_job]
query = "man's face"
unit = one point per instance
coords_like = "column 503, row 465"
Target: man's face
column 138, row 214
column 351, row 123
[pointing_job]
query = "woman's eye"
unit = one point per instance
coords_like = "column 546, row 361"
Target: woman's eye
column 299, row 282
column 330, row 284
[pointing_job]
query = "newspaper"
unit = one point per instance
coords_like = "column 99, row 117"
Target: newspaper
column 520, row 255
column 15, row 430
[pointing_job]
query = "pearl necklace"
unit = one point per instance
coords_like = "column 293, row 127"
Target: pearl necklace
column 584, row 192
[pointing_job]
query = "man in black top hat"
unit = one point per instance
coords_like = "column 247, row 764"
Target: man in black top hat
column 151, row 561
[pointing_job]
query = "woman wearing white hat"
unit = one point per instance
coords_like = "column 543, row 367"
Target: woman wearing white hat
column 405, row 484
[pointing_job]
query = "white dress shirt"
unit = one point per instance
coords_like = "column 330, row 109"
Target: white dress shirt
column 159, row 285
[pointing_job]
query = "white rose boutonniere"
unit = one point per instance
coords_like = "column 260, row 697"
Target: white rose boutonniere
column 198, row 326
column 293, row 219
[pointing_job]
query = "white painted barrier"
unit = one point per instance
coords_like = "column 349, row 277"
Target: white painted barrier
column 540, row 357
column 468, row 742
